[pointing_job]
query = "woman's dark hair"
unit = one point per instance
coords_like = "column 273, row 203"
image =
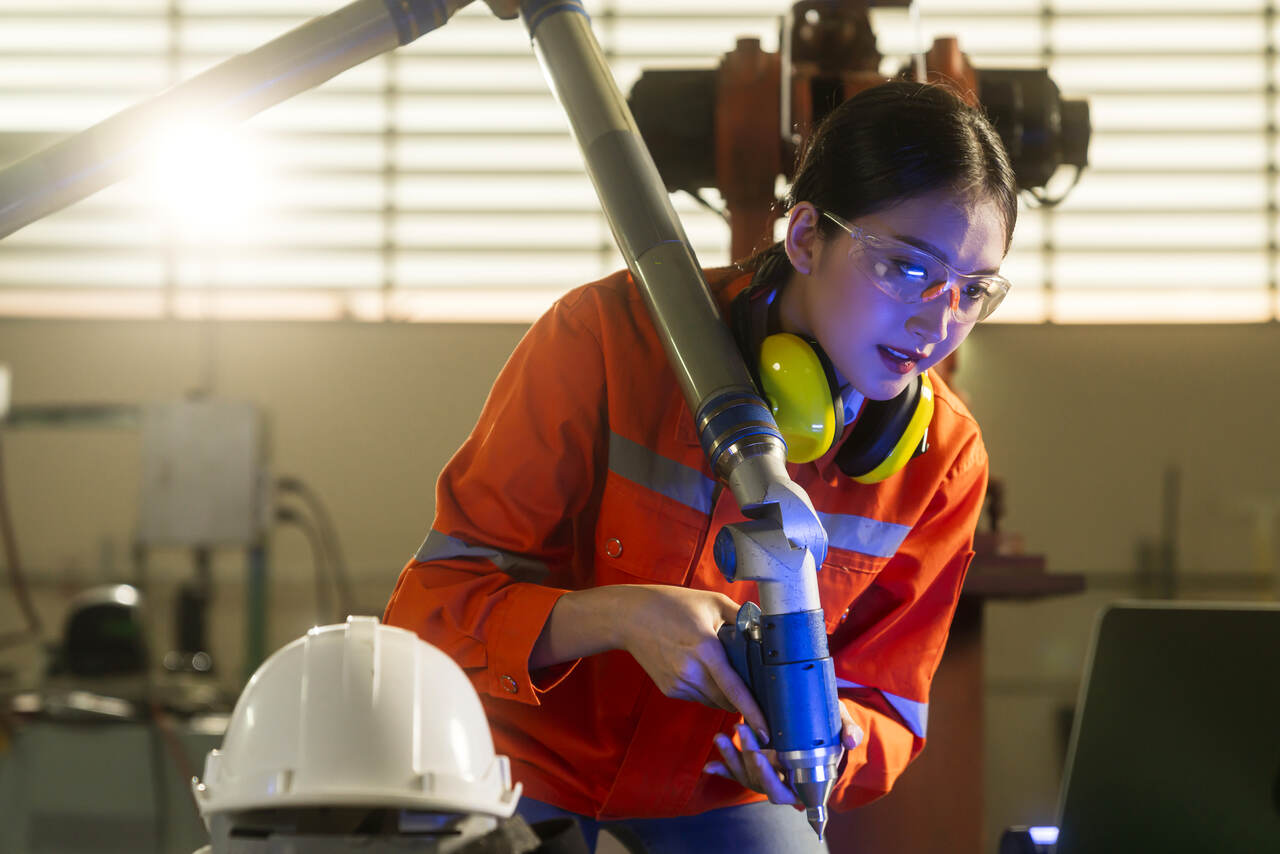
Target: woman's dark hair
column 896, row 141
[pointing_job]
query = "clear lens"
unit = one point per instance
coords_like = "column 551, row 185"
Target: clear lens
column 903, row 271
column 912, row 275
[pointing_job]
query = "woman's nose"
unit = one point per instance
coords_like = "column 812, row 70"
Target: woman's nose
column 931, row 317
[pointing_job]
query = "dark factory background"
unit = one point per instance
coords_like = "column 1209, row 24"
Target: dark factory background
column 343, row 277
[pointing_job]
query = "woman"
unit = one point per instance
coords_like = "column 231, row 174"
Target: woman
column 569, row 568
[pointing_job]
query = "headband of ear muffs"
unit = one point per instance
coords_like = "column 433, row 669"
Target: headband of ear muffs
column 799, row 383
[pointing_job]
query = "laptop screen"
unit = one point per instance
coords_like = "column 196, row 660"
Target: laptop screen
column 1176, row 744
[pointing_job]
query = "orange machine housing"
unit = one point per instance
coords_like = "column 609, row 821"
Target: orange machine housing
column 828, row 55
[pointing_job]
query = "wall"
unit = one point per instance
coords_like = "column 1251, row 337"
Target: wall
column 1081, row 422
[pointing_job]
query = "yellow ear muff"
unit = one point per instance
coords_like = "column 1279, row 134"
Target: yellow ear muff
column 795, row 384
column 912, row 437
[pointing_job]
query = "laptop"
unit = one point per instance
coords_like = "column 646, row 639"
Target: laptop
column 1176, row 743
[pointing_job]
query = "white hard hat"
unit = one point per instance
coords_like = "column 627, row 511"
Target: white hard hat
column 358, row 715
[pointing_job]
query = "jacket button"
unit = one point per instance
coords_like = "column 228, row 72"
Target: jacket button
column 613, row 548
column 509, row 685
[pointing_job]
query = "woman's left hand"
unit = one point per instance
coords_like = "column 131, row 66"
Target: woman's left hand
column 758, row 769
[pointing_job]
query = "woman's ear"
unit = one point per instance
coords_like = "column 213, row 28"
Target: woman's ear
column 802, row 237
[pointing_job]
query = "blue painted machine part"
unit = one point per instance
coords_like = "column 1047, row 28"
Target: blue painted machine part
column 793, row 637
column 413, row 18
column 725, row 421
column 535, row 12
column 726, row 554
column 791, row 676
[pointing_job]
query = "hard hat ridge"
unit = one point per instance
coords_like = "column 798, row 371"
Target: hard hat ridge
column 359, row 714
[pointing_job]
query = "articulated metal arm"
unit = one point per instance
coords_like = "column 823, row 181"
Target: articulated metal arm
column 781, row 652
column 736, row 428
column 231, row 91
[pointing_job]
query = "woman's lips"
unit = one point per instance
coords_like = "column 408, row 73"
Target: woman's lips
column 898, row 361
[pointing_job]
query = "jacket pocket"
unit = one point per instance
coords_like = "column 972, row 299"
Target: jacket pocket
column 843, row 578
column 640, row 538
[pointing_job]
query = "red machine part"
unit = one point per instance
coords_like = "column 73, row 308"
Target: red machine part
column 833, row 56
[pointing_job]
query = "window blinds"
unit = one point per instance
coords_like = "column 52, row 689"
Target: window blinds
column 440, row 182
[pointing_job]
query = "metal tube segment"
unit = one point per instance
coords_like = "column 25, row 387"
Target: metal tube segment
column 635, row 201
column 736, row 427
column 784, row 543
column 231, row 91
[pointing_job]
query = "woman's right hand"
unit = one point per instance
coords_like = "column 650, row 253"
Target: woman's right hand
column 671, row 633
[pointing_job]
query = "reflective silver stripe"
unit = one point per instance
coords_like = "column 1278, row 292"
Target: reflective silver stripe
column 914, row 714
column 860, row 534
column 651, row 470
column 438, row 546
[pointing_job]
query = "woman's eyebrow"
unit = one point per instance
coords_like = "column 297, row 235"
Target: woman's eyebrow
column 935, row 251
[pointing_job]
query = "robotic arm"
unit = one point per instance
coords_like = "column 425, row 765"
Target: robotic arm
column 737, row 127
column 232, row 91
column 780, row 649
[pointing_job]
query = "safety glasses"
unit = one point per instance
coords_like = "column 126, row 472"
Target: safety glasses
column 912, row 275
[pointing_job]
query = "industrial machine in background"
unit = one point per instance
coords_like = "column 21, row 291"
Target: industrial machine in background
column 104, row 636
column 737, row 127
column 97, row 753
column 98, row 756
column 205, row 486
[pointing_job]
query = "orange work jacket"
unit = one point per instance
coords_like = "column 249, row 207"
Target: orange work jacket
column 585, row 469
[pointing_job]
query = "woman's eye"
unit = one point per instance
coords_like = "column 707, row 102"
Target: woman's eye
column 975, row 291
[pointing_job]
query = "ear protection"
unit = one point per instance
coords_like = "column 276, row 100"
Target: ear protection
column 799, row 383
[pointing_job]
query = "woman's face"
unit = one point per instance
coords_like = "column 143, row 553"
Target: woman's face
column 877, row 343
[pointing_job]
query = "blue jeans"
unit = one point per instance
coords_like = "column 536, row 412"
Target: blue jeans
column 762, row 828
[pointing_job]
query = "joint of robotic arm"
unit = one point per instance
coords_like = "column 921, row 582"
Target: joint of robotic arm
column 758, row 550
column 784, row 504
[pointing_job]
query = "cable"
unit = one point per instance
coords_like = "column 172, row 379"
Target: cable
column 702, row 200
column 1043, row 200
column 17, row 579
column 329, row 536
column 176, row 752
column 324, row 605
column 159, row 786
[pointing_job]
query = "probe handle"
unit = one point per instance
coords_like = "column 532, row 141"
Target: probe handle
column 783, row 660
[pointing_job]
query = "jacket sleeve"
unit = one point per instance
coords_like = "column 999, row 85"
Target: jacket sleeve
column 508, row 504
column 889, row 645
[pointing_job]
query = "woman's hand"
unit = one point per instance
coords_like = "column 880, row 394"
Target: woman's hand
column 671, row 633
column 759, row 770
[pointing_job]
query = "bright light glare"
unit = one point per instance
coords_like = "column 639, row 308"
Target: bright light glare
column 1045, row 835
column 208, row 185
